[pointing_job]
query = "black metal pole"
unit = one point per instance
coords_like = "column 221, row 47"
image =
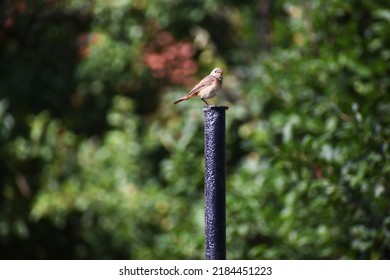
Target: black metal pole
column 215, row 182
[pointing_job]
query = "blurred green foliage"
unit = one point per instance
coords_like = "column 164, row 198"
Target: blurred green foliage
column 97, row 163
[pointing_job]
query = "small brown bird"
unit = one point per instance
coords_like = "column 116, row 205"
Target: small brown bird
column 207, row 88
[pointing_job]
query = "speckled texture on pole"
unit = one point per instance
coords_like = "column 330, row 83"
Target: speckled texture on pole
column 215, row 182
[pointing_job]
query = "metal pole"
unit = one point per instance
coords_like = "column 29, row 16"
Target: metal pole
column 215, row 182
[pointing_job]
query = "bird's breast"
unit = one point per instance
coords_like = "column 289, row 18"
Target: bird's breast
column 211, row 90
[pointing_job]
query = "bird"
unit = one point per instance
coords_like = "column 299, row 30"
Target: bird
column 207, row 88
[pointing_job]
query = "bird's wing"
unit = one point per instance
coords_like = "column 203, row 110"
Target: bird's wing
column 206, row 81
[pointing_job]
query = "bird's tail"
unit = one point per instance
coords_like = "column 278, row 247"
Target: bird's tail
column 180, row 100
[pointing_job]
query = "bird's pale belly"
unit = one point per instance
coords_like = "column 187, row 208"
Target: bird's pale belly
column 208, row 93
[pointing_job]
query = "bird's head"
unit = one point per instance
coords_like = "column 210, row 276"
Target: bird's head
column 217, row 72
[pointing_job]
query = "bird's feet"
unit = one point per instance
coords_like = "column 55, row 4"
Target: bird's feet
column 205, row 101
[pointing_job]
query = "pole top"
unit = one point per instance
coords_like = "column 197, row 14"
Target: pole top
column 209, row 108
